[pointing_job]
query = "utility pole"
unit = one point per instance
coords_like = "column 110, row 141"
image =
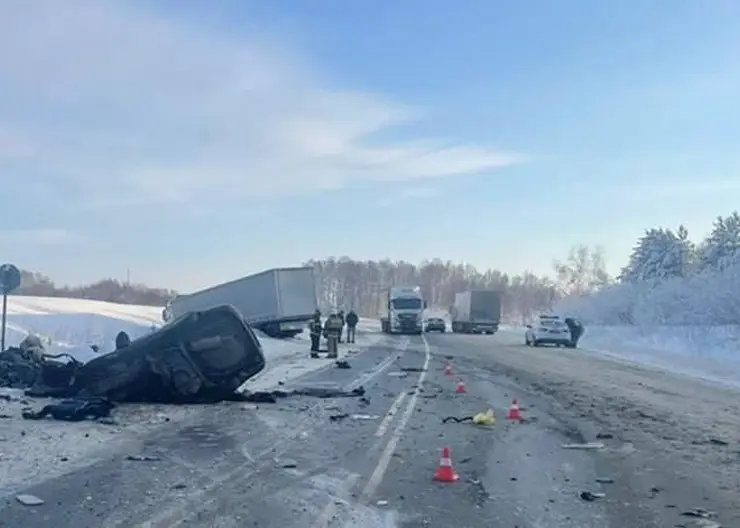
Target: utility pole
column 128, row 277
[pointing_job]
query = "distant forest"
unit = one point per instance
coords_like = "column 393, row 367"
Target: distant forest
column 346, row 283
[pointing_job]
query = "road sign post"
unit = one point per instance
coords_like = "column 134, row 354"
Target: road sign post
column 10, row 279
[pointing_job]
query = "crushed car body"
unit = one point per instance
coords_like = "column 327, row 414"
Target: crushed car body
column 201, row 357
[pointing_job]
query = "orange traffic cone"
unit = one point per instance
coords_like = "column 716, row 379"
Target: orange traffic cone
column 448, row 370
column 445, row 472
column 514, row 413
column 460, row 388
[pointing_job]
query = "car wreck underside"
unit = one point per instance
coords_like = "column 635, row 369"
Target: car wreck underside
column 201, row 357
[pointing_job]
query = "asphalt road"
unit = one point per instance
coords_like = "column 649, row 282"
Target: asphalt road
column 344, row 462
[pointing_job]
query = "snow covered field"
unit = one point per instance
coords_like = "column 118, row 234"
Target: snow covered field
column 711, row 353
column 31, row 450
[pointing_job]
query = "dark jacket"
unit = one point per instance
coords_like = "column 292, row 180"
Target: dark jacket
column 352, row 318
column 315, row 326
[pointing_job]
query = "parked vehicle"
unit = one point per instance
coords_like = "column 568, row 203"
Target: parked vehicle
column 280, row 302
column 435, row 324
column 405, row 314
column 549, row 330
column 476, row 312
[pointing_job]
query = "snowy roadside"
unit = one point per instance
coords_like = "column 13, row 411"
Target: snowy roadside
column 708, row 353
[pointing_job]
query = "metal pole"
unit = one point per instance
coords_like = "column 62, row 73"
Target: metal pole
column 5, row 312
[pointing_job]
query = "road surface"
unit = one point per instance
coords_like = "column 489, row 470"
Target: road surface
column 352, row 462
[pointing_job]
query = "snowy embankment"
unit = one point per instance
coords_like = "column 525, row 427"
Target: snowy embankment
column 31, row 451
column 684, row 325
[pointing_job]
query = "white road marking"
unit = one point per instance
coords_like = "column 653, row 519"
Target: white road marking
column 383, row 427
column 343, row 493
column 385, row 458
column 365, row 378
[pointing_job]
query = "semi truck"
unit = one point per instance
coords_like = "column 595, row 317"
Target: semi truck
column 476, row 311
column 404, row 310
column 280, row 302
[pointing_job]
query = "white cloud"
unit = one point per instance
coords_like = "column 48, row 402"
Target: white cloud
column 40, row 237
column 410, row 194
column 124, row 106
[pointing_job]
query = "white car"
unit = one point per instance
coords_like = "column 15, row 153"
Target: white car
column 549, row 330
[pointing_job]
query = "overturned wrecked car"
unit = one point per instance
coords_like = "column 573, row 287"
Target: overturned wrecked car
column 200, row 357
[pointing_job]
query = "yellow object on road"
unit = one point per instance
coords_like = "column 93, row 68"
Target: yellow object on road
column 485, row 418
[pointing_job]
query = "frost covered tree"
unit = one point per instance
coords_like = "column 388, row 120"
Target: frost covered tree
column 584, row 271
column 723, row 243
column 660, row 254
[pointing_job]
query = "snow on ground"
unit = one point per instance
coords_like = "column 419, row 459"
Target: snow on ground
column 35, row 450
column 708, row 353
column 683, row 324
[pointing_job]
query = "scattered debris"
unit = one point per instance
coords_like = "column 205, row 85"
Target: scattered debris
column 587, row 445
column 382, row 503
column 485, row 418
column 343, row 364
column 338, row 417
column 179, row 486
column 29, row 500
column 591, row 496
column 398, row 374
column 143, row 458
column 288, row 464
column 604, row 436
column 457, row 420
column 604, row 480
column 412, row 369
column 699, row 512
column 316, row 392
column 74, row 410
column 365, row 417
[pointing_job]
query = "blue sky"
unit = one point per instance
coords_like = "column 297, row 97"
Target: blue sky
column 193, row 142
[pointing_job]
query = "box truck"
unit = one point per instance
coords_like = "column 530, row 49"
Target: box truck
column 280, row 302
column 476, row 311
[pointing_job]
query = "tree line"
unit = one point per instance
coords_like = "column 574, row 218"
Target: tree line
column 342, row 282
column 672, row 280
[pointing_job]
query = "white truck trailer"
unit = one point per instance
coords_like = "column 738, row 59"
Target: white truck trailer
column 476, row 311
column 405, row 311
column 280, row 302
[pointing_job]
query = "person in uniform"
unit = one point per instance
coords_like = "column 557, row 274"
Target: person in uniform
column 576, row 331
column 315, row 328
column 351, row 321
column 341, row 316
column 332, row 331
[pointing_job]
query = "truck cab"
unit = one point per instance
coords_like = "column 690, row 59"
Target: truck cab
column 405, row 310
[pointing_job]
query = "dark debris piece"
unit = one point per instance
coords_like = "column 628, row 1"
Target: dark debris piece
column 75, row 410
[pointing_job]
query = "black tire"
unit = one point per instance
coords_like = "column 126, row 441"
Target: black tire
column 536, row 343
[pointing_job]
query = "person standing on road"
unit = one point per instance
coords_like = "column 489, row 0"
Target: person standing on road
column 576, row 330
column 341, row 316
column 332, row 330
column 351, row 321
column 315, row 328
